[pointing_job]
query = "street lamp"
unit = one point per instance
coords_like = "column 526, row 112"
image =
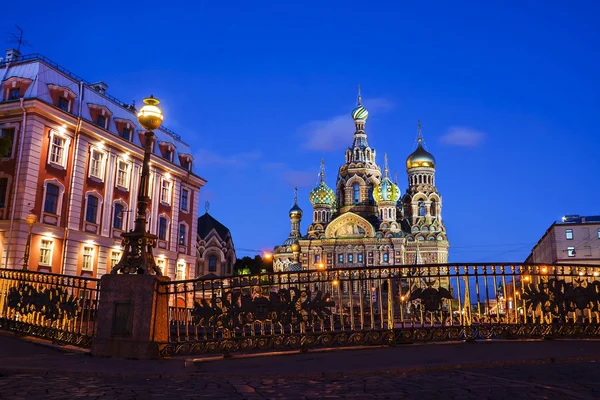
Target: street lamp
column 31, row 219
column 137, row 253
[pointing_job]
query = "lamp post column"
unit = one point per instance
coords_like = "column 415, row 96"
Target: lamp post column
column 31, row 218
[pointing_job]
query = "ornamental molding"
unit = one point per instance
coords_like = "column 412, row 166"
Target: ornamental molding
column 349, row 225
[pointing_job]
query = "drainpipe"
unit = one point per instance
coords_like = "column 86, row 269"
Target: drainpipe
column 15, row 187
column 70, row 197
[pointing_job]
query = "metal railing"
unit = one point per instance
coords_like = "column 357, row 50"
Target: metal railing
column 383, row 305
column 56, row 307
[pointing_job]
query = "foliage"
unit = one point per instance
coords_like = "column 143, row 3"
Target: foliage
column 252, row 266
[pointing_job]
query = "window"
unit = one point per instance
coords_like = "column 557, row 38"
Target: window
column 161, row 263
column 126, row 133
column 569, row 234
column 184, row 199
column 340, row 258
column 63, row 104
column 182, row 235
column 88, row 258
column 386, row 257
column 212, row 264
column 97, row 164
column 598, row 233
column 14, row 94
column 101, row 121
column 187, row 165
column 3, row 191
column 122, row 174
column 118, row 216
column 7, row 136
column 359, row 257
column 46, row 252
column 165, row 191
column 350, row 258
column 317, row 258
column 115, row 257
column 162, row 228
column 571, row 251
column 91, row 210
column 180, row 274
column 356, row 193
column 57, row 150
column 168, row 155
column 421, row 208
column 51, row 201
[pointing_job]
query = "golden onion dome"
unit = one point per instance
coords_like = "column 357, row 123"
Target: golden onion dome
column 295, row 211
column 420, row 158
column 295, row 247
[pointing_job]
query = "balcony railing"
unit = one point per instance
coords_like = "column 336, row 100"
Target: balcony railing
column 384, row 305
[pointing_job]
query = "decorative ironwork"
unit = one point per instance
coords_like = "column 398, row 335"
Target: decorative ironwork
column 56, row 307
column 382, row 305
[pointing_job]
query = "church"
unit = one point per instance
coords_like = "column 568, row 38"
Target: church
column 366, row 221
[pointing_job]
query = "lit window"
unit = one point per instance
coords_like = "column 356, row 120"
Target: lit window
column 359, row 257
column 386, row 257
column 57, row 150
column 3, row 191
column 101, row 121
column 340, row 258
column 96, row 164
column 182, row 235
column 126, row 134
column 115, row 257
column 350, row 258
column 46, row 252
column 88, row 258
column 571, row 251
column 317, row 258
column 122, row 174
column 184, row 199
column 212, row 264
column 91, row 211
column 161, row 263
column 14, row 94
column 180, row 274
column 569, row 234
column 165, row 191
column 51, row 201
column 63, row 104
column 162, row 228
column 356, row 191
column 118, row 216
column 7, row 136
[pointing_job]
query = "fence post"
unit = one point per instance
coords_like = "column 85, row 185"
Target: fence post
column 132, row 316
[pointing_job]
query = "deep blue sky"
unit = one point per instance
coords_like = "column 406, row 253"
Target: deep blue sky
column 507, row 93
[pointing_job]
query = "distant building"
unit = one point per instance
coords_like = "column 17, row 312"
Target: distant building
column 364, row 220
column 215, row 253
column 72, row 153
column 574, row 240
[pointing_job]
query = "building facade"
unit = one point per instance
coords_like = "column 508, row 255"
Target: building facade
column 574, row 240
column 214, row 247
column 366, row 221
column 73, row 157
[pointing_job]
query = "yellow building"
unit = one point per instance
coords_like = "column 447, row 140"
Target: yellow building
column 366, row 221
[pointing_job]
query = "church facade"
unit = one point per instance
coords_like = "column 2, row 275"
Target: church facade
column 365, row 220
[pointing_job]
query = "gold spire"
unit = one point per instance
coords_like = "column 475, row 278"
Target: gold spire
column 420, row 135
column 385, row 165
column 359, row 96
column 322, row 172
column 296, row 194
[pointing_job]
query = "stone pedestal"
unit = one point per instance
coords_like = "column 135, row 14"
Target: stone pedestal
column 132, row 316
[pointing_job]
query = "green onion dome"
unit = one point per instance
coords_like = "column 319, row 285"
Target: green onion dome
column 322, row 195
column 360, row 112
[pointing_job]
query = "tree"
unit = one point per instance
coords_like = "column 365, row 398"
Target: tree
column 252, row 266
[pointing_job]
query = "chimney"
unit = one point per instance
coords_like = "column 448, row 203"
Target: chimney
column 100, row 87
column 12, row 55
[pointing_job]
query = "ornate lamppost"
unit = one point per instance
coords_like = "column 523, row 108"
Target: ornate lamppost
column 137, row 244
column 31, row 219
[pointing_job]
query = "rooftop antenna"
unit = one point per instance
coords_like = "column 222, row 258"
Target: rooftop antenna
column 18, row 39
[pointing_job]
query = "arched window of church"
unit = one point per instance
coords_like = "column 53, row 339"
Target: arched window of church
column 356, row 193
column 386, row 257
column 212, row 264
column 421, row 208
column 322, row 215
column 433, row 208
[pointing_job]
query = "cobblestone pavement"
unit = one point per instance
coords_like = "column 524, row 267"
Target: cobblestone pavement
column 579, row 380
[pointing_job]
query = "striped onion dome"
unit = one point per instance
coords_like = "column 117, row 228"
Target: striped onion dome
column 360, row 112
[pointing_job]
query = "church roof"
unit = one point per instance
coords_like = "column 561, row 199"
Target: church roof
column 207, row 223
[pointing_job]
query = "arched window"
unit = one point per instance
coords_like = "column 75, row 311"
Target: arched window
column 421, row 208
column 212, row 264
column 162, row 228
column 91, row 211
column 182, row 234
column 51, row 201
column 386, row 257
column 118, row 216
column 433, row 208
column 356, row 193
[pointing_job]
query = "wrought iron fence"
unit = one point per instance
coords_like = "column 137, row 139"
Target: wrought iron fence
column 383, row 305
column 57, row 307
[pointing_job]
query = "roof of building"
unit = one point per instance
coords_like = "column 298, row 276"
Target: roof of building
column 577, row 219
column 207, row 223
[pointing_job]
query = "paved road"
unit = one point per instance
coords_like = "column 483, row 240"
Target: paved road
column 540, row 381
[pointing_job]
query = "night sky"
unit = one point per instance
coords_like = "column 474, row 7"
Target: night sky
column 507, row 94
